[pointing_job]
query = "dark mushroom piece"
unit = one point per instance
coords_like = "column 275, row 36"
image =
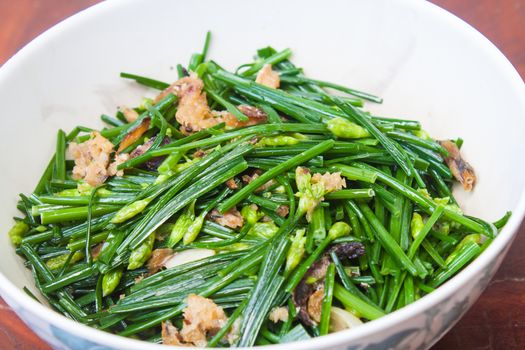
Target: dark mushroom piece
column 313, row 280
column 135, row 134
column 153, row 163
column 461, row 170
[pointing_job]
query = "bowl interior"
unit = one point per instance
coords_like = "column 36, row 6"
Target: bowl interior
column 425, row 66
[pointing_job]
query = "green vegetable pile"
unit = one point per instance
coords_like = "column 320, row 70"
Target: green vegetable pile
column 333, row 203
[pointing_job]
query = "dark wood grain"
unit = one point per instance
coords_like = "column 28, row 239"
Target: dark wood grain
column 497, row 320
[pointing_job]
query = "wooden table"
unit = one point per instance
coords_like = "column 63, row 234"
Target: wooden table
column 497, row 321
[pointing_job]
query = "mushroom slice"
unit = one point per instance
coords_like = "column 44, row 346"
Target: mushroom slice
column 461, row 170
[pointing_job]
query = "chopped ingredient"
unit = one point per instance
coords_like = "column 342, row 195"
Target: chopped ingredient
column 268, row 77
column 159, row 258
column 232, row 218
column 130, row 114
column 278, row 314
column 249, row 178
column 141, row 149
column 254, row 114
column 170, row 334
column 91, row 159
column 119, row 159
column 312, row 189
column 461, row 170
column 193, row 112
column 232, row 185
column 233, row 335
column 315, row 303
column 283, row 210
column 134, row 135
column 199, row 153
column 153, row 163
column 330, row 181
column 95, row 251
column 201, row 317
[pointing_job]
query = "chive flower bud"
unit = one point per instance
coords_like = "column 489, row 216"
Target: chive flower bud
column 344, row 128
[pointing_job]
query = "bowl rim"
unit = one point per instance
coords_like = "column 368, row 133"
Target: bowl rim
column 502, row 241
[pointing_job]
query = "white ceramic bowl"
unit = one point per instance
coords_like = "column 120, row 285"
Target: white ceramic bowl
column 426, row 63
